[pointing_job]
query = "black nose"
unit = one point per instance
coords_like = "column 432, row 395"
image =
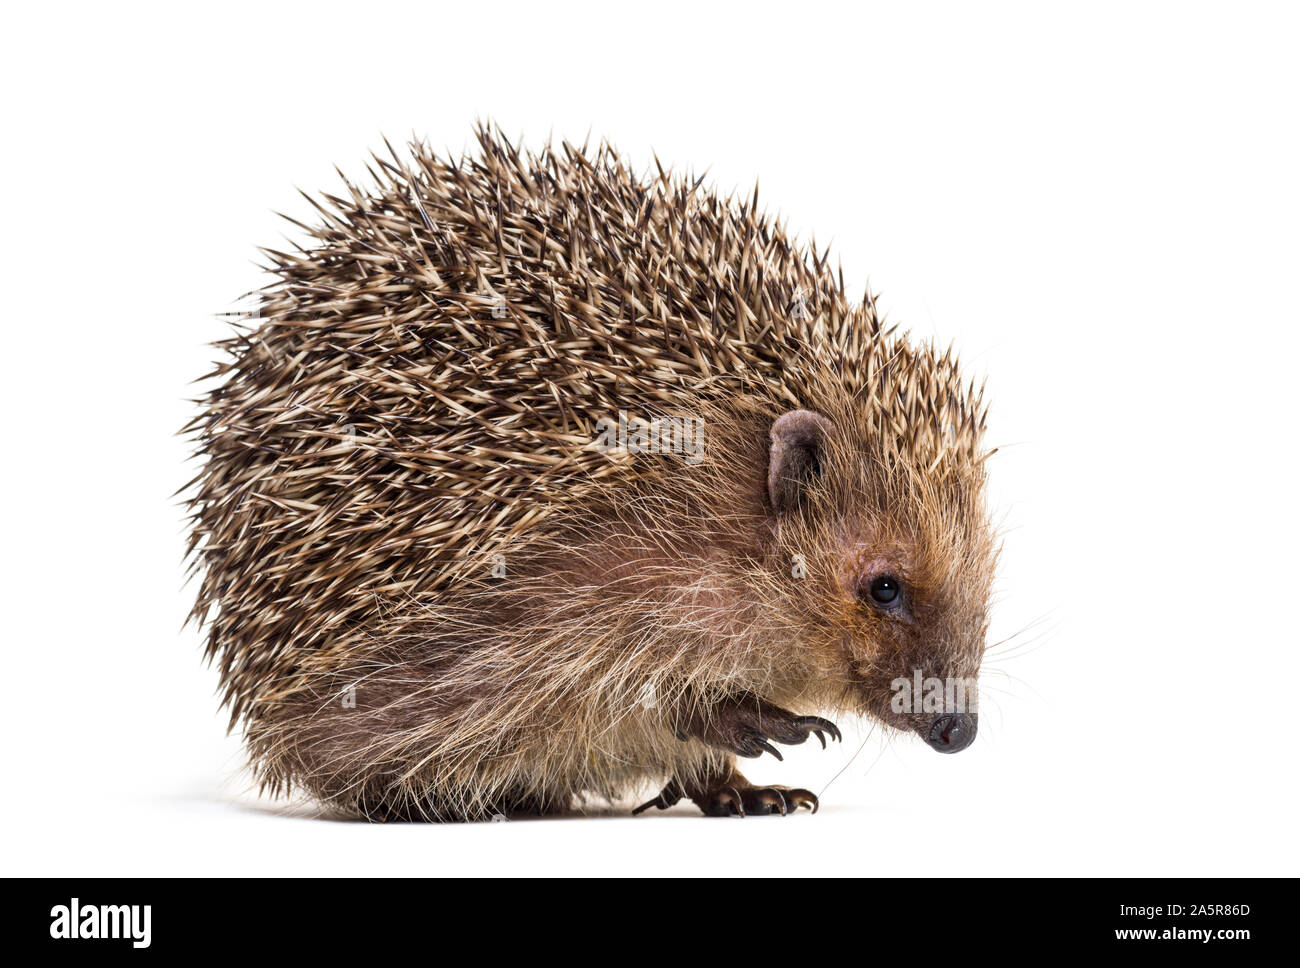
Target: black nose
column 953, row 732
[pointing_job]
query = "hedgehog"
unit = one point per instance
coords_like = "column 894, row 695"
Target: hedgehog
column 531, row 481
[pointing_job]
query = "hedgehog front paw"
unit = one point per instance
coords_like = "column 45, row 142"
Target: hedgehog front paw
column 748, row 726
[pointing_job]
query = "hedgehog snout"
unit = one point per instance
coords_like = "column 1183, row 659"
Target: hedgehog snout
column 951, row 732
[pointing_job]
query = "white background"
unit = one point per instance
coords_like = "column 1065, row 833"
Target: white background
column 1098, row 204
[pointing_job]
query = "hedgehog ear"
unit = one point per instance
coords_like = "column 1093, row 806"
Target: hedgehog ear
column 798, row 439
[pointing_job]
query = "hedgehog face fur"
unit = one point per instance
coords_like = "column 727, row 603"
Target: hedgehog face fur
column 904, row 576
column 431, row 595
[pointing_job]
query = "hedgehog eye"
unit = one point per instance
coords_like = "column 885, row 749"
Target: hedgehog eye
column 885, row 590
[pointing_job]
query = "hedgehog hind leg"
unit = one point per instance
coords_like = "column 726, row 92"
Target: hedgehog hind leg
column 727, row 793
column 737, row 797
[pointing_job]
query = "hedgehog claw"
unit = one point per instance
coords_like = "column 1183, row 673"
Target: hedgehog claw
column 734, row 802
column 802, row 798
column 725, row 801
column 816, row 724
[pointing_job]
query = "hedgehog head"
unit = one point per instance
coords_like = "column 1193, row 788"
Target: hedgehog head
column 893, row 554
